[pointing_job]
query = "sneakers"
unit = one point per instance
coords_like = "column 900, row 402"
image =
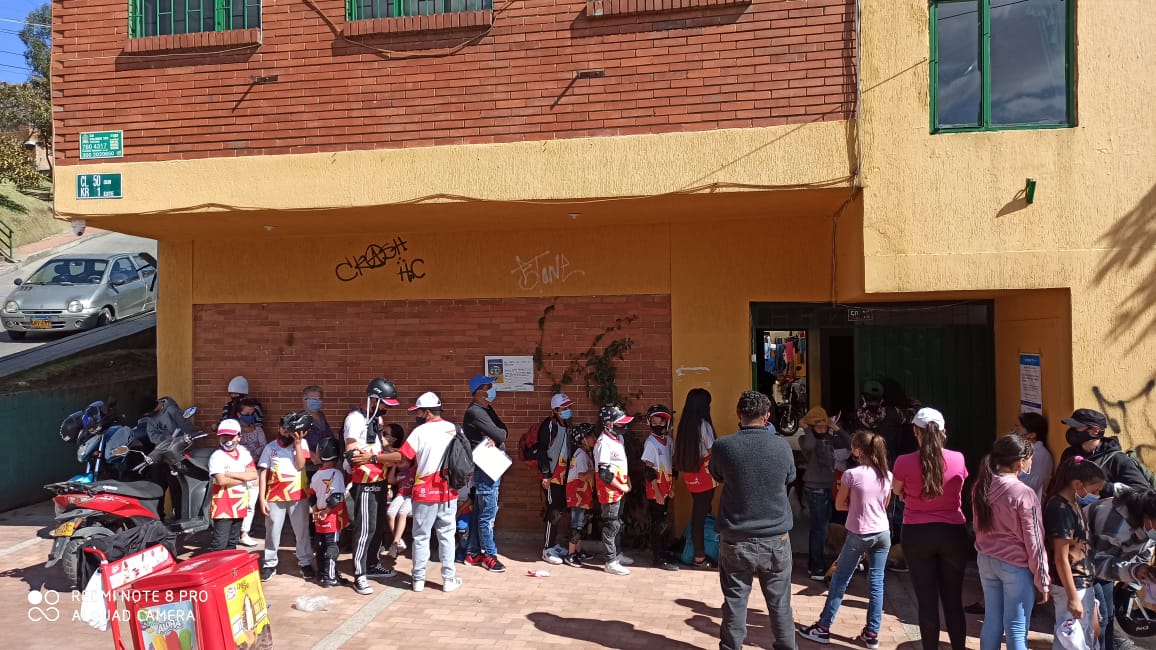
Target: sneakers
column 574, row 560
column 307, row 572
column 818, row 576
column 898, row 566
column 549, row 557
column 267, row 573
column 665, row 564
column 616, row 569
column 492, row 564
column 378, row 571
column 625, row 560
column 706, row 563
column 245, row 540
column 868, row 639
column 583, row 556
column 452, row 584
column 473, row 560
column 817, row 634
column 361, row 586
column 328, row 581
column 419, row 585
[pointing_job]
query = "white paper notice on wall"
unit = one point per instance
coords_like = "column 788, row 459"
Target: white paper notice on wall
column 511, row 373
column 1031, row 384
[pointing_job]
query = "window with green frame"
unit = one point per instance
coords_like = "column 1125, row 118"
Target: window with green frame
column 366, row 9
column 1002, row 64
column 166, row 17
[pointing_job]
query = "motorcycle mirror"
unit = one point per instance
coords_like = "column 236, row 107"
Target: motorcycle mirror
column 120, row 451
column 18, row 282
column 189, row 412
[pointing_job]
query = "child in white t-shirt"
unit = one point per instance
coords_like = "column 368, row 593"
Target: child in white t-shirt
column 327, row 496
column 657, row 456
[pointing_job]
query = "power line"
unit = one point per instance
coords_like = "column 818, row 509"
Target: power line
column 22, row 22
column 17, row 67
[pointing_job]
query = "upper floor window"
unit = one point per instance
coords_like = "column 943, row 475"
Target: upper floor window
column 167, row 17
column 366, row 9
column 1002, row 64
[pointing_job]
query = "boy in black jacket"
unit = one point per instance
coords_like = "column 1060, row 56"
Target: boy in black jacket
column 553, row 455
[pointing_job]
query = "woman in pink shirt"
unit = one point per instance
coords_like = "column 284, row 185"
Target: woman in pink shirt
column 935, row 542
column 1009, row 535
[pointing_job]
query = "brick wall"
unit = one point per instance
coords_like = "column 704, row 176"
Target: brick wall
column 716, row 66
column 424, row 345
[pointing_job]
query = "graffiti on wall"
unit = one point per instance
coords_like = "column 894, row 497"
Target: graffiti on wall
column 378, row 256
column 1131, row 416
column 543, row 270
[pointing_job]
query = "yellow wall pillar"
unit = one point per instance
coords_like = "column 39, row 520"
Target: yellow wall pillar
column 175, row 321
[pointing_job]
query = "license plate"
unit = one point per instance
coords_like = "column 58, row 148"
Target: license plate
column 41, row 324
column 65, row 530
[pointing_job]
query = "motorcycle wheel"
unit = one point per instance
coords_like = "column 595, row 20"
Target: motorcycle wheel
column 789, row 423
column 70, row 559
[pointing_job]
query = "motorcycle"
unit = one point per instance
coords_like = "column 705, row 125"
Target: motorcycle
column 92, row 428
column 86, row 509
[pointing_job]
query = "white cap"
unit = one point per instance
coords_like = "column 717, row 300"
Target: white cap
column 229, row 427
column 427, row 401
column 560, row 401
column 238, row 384
column 926, row 416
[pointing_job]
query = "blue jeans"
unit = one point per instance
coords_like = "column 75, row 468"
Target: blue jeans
column 1008, row 594
column 876, row 545
column 820, row 503
column 486, row 506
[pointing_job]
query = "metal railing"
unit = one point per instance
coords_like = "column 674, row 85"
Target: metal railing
column 166, row 17
column 366, row 9
column 7, row 235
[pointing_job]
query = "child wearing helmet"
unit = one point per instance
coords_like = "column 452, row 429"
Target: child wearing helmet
column 613, row 482
column 656, row 455
column 580, row 489
column 283, row 490
column 327, row 498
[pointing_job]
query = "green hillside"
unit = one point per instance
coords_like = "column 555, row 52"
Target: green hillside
column 28, row 215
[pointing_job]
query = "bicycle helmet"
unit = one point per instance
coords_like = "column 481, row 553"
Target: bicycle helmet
column 327, row 450
column 382, row 390
column 660, row 410
column 296, row 422
column 71, row 427
column 613, row 414
column 579, row 432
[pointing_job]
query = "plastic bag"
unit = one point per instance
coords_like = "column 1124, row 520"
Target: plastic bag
column 1070, row 634
column 312, row 603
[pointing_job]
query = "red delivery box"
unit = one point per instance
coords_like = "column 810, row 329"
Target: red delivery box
column 210, row 602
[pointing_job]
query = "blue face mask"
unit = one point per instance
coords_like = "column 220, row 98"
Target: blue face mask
column 491, row 394
column 313, row 403
column 248, row 419
column 1088, row 499
column 566, row 415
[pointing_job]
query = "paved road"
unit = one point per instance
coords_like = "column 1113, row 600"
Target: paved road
column 107, row 243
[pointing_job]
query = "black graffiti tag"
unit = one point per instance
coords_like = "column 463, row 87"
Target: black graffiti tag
column 1119, row 411
column 407, row 271
column 375, row 256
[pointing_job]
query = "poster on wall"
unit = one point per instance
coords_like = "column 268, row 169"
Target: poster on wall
column 513, row 374
column 1031, row 384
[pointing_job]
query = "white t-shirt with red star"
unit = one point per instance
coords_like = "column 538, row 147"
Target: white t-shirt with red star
column 357, row 429
column 426, row 445
column 327, row 482
column 229, row 502
column 283, row 481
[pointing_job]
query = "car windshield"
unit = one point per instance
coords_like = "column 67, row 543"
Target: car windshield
column 70, row 272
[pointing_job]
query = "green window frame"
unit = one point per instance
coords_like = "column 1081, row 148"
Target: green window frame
column 370, row 9
column 170, row 17
column 984, row 38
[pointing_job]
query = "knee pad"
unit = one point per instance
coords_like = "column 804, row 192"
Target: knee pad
column 575, row 535
column 332, row 552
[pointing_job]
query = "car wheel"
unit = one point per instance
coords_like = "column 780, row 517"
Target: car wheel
column 106, row 317
column 17, row 336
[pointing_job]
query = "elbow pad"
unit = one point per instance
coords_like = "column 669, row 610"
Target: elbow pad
column 651, row 474
column 334, row 500
column 606, row 473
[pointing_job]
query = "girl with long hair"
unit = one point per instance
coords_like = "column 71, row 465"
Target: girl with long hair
column 863, row 492
column 935, row 541
column 692, row 446
column 1009, row 536
column 1078, row 483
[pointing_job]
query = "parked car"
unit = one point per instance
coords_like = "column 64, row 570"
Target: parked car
column 78, row 292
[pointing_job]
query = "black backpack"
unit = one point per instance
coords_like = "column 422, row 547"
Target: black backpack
column 458, row 462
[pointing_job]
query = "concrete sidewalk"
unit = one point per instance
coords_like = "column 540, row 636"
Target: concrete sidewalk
column 579, row 608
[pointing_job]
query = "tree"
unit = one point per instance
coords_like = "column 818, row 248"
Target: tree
column 30, row 104
column 37, row 38
column 15, row 164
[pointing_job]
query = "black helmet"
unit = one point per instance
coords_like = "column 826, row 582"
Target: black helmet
column 613, row 414
column 328, row 450
column 296, row 422
column 383, row 390
column 581, row 431
column 660, row 409
column 72, row 426
column 1134, row 617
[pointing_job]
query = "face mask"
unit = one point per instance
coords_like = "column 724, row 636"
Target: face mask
column 229, row 444
column 420, row 420
column 566, row 415
column 1086, row 500
column 491, row 394
column 658, row 429
column 313, row 403
column 248, row 419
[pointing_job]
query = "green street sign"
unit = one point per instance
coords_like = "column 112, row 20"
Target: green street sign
column 98, row 186
column 101, row 144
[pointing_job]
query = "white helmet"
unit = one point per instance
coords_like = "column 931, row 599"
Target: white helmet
column 239, row 385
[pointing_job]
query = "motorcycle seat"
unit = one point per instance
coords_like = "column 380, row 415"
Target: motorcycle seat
column 135, row 489
column 199, row 457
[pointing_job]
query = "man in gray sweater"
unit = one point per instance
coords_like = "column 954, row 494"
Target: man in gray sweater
column 754, row 466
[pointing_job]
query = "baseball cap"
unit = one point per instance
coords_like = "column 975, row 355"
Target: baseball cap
column 477, row 381
column 426, row 401
column 229, row 427
column 1087, row 418
column 560, row 401
column 926, row 416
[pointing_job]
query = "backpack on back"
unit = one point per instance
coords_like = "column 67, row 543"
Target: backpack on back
column 1132, row 454
column 528, row 447
column 458, row 462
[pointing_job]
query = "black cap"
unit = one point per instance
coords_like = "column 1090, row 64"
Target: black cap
column 1087, row 418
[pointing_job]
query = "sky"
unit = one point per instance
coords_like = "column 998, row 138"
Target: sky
column 13, row 69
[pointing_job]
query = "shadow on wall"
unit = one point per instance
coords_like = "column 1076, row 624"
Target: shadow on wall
column 1131, row 242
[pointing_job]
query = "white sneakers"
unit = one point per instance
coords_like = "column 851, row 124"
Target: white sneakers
column 245, row 540
column 419, row 585
column 453, row 584
column 554, row 554
column 625, row 560
column 616, row 569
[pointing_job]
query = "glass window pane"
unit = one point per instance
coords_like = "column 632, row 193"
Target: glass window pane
column 959, row 85
column 1029, row 42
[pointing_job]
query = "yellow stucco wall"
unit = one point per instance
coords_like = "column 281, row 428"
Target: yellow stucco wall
column 941, row 214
